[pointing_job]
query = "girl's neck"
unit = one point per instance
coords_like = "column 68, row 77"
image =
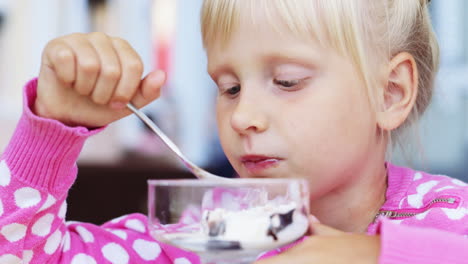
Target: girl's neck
column 353, row 206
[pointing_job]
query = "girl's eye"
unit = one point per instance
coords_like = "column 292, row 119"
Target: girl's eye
column 286, row 83
column 233, row 90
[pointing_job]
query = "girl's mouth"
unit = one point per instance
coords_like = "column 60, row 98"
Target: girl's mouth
column 256, row 164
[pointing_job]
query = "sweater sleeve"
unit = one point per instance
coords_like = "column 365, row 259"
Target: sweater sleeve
column 416, row 245
column 37, row 170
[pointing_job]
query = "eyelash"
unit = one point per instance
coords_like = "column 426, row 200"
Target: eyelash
column 232, row 91
column 291, row 85
column 286, row 83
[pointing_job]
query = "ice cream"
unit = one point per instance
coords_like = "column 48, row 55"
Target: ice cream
column 260, row 227
column 257, row 228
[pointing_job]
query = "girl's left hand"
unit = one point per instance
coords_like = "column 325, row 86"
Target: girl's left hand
column 328, row 245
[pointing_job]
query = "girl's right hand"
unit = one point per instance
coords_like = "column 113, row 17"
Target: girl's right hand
column 87, row 80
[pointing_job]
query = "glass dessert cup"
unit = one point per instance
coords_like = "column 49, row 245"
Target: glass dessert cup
column 228, row 221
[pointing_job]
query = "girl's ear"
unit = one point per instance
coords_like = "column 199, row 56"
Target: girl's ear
column 400, row 93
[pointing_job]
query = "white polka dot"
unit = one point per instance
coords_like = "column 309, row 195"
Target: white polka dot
column 10, row 259
column 182, row 261
column 1, row 208
column 426, row 187
column 85, row 234
column 417, row 176
column 63, row 210
column 27, row 256
column 43, row 225
column 83, row 259
column 146, row 249
column 118, row 219
column 115, row 253
column 53, row 242
column 159, row 232
column 136, row 225
column 416, row 200
column 421, row 216
column 455, row 214
column 445, row 188
column 70, row 223
column 66, row 241
column 14, row 232
column 27, row 197
column 5, row 174
column 120, row 233
column 48, row 203
column 459, row 183
column 397, row 221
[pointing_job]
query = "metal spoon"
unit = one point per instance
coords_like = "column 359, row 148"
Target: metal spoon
column 197, row 171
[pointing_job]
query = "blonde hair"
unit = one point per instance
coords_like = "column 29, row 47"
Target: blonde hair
column 351, row 27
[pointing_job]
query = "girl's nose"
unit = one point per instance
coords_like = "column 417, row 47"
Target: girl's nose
column 249, row 116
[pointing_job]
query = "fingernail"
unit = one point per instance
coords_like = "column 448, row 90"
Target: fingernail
column 313, row 219
column 117, row 105
column 159, row 74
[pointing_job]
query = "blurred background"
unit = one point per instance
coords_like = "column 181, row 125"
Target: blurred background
column 166, row 34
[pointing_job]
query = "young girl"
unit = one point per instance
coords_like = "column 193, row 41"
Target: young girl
column 311, row 89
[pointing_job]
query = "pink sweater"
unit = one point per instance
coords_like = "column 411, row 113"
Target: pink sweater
column 424, row 219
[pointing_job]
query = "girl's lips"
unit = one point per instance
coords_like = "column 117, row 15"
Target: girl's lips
column 256, row 163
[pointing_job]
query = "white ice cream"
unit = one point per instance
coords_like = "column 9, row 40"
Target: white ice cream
column 258, row 227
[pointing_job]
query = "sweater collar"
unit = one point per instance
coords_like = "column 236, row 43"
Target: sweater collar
column 398, row 181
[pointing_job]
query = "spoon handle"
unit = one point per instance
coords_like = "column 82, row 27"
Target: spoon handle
column 197, row 171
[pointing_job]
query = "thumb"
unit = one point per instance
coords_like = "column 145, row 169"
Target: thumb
column 150, row 88
column 316, row 228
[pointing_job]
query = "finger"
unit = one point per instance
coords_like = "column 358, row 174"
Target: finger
column 87, row 63
column 323, row 230
column 294, row 255
column 150, row 88
column 313, row 219
column 278, row 259
column 110, row 69
column 60, row 57
column 154, row 84
column 132, row 70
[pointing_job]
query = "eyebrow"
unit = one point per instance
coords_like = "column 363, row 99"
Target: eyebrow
column 281, row 58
